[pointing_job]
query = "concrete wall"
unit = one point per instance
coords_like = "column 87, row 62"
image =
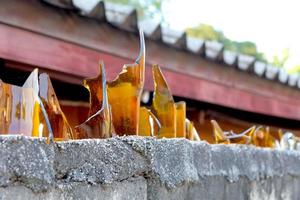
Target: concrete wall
column 144, row 168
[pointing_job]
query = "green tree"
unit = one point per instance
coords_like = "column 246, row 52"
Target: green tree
column 205, row 31
column 280, row 61
column 208, row 32
column 295, row 69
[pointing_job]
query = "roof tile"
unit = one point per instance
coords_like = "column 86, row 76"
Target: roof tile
column 259, row 68
column 174, row 38
column 293, row 79
column 151, row 29
column 283, row 75
column 271, row 72
column 230, row 57
column 195, row 45
column 125, row 18
column 66, row 4
column 214, row 50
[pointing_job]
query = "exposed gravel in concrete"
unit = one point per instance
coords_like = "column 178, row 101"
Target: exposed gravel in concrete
column 97, row 161
column 26, row 161
column 173, row 163
column 177, row 161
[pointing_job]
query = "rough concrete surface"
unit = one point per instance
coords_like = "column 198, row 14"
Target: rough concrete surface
column 144, row 168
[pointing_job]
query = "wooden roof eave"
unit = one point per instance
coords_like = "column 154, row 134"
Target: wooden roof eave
column 62, row 41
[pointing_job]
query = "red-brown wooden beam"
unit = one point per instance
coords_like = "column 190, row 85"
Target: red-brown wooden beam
column 69, row 26
column 34, row 49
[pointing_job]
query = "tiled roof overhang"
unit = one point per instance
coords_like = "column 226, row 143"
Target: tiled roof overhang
column 62, row 40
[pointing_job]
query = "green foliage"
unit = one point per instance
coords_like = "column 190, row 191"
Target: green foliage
column 208, row 32
column 295, row 69
column 281, row 60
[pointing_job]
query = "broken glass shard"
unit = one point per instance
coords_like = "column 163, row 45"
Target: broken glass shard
column 124, row 94
column 261, row 137
column 180, row 119
column 227, row 137
column 20, row 108
column 163, row 106
column 148, row 124
column 241, row 138
column 99, row 124
column 220, row 137
column 191, row 132
column 59, row 124
column 289, row 142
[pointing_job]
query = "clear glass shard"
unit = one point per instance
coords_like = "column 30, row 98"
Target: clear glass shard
column 163, row 106
column 124, row 94
column 20, row 111
column 241, row 138
column 99, row 124
column 180, row 119
column 289, row 142
column 148, row 124
column 59, row 124
column 32, row 81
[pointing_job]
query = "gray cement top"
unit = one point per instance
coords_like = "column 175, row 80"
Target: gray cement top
column 39, row 166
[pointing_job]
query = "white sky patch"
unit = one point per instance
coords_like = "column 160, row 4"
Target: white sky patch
column 272, row 25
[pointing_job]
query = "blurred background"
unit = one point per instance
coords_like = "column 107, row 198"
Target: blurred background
column 233, row 61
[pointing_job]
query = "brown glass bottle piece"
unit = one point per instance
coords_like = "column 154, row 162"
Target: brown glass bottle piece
column 148, row 124
column 279, row 134
column 191, row 132
column 220, row 137
column 231, row 137
column 99, row 124
column 20, row 111
column 59, row 124
column 163, row 106
column 180, row 119
column 262, row 138
column 124, row 94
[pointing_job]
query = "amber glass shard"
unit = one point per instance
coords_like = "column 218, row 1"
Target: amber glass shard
column 280, row 134
column 20, row 111
column 241, row 138
column 191, row 132
column 95, row 87
column 163, row 106
column 59, row 124
column 228, row 137
column 99, row 123
column 148, row 124
column 180, row 119
column 124, row 94
column 262, row 138
column 220, row 137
